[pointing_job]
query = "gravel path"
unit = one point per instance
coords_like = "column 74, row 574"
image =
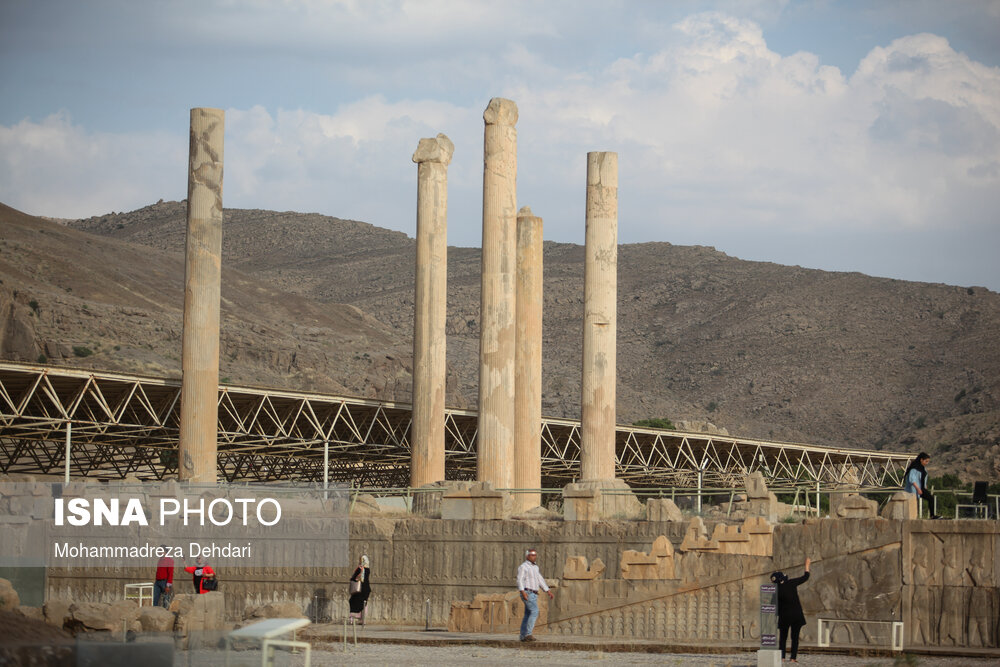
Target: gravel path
column 371, row 655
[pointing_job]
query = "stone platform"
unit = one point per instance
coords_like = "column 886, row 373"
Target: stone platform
column 332, row 634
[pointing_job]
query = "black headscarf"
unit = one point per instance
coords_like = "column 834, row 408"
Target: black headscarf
column 917, row 464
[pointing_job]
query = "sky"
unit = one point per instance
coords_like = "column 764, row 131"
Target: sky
column 837, row 135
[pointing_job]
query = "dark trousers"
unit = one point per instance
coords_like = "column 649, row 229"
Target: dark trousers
column 783, row 637
column 159, row 588
column 929, row 499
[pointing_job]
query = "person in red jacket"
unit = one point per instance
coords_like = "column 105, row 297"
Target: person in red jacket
column 164, row 582
column 196, row 571
column 201, row 572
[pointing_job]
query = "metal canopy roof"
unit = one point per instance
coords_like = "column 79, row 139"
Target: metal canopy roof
column 128, row 424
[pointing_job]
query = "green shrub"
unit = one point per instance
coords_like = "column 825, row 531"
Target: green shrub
column 169, row 458
column 34, row 305
column 656, row 422
column 81, row 351
column 42, row 359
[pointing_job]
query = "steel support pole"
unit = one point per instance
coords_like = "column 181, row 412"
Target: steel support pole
column 326, row 468
column 69, row 437
column 701, row 476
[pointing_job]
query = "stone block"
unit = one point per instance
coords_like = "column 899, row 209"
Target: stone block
column 479, row 502
column 576, row 569
column 581, row 504
column 428, row 499
column 56, row 611
column 592, row 500
column 657, row 564
column 92, row 615
column 767, row 507
column 756, row 486
column 902, row 506
column 9, row 599
column 852, row 506
column 34, row 613
column 277, row 610
column 768, row 657
column 198, row 613
column 156, row 619
column 123, row 610
column 662, row 509
column 696, row 537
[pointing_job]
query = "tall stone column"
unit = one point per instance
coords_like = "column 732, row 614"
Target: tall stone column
column 430, row 305
column 600, row 290
column 497, row 334
column 202, row 293
column 528, row 362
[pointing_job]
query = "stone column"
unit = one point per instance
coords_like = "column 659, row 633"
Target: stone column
column 528, row 362
column 497, row 335
column 202, row 292
column 600, row 290
column 430, row 305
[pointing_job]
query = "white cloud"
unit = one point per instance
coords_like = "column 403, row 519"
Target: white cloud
column 55, row 168
column 719, row 136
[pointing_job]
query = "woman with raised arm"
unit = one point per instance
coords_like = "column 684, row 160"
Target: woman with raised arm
column 790, row 616
column 361, row 588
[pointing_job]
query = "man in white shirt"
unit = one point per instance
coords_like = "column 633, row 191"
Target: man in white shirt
column 529, row 582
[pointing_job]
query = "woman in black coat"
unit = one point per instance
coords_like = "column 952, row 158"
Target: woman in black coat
column 790, row 616
column 359, row 598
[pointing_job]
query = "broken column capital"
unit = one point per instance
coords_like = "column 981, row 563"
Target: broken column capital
column 500, row 111
column 434, row 149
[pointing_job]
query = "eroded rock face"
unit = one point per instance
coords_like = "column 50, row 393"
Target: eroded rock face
column 17, row 329
column 9, row 599
column 56, row 611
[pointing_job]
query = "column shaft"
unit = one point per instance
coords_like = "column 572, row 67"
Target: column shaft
column 202, row 293
column 528, row 361
column 497, row 334
column 430, row 306
column 600, row 289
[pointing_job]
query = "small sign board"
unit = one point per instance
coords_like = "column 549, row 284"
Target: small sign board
column 768, row 615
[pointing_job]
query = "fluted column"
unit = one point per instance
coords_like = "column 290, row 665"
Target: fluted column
column 528, row 361
column 497, row 335
column 202, row 292
column 430, row 305
column 600, row 289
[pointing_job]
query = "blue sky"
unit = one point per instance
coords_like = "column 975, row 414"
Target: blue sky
column 847, row 136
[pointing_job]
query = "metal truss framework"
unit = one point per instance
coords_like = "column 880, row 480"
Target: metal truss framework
column 126, row 424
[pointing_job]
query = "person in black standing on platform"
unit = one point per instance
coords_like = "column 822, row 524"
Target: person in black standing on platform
column 790, row 616
column 915, row 482
column 361, row 588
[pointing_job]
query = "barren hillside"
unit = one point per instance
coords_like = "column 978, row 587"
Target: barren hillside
column 760, row 349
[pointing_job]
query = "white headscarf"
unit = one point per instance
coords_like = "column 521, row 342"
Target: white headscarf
column 364, row 565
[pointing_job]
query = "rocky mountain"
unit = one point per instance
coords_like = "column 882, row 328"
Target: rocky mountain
column 89, row 301
column 760, row 349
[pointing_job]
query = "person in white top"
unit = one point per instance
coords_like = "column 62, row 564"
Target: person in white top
column 529, row 582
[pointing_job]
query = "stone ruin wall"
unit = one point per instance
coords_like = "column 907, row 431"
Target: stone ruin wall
column 941, row 578
column 413, row 560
